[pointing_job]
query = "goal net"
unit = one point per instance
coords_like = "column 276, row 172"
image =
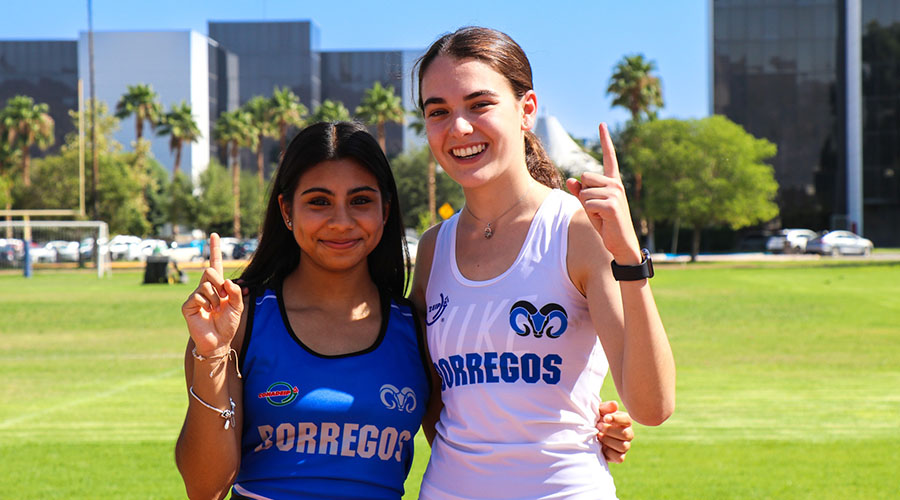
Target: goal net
column 54, row 245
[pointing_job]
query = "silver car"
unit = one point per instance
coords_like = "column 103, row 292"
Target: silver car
column 839, row 243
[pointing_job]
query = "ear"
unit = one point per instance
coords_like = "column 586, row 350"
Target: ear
column 285, row 209
column 386, row 212
column 529, row 109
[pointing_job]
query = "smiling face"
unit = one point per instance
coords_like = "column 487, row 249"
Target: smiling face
column 337, row 215
column 474, row 121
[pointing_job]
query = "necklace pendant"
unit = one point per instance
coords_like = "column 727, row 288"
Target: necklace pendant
column 488, row 232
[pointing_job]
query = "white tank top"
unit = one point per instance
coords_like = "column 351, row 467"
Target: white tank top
column 522, row 368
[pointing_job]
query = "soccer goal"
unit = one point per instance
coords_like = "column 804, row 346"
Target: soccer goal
column 60, row 244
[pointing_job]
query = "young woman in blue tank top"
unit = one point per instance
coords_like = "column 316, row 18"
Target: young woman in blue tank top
column 314, row 385
column 530, row 294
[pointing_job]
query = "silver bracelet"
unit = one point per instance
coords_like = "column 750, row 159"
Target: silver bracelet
column 228, row 415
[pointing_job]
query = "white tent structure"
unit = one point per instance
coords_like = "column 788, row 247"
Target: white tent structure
column 565, row 153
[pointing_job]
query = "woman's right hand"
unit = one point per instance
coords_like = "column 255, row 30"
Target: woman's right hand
column 213, row 310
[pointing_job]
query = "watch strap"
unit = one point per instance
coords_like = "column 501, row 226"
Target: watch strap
column 644, row 270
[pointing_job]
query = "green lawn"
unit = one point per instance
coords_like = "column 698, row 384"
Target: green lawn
column 788, row 385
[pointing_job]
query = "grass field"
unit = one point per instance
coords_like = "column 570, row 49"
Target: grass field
column 788, row 385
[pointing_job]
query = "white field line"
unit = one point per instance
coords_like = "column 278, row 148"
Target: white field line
column 10, row 422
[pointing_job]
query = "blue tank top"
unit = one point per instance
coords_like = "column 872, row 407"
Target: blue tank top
column 333, row 427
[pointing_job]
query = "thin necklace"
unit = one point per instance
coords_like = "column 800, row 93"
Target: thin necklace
column 488, row 227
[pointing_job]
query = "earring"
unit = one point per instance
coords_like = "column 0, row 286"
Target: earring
column 290, row 225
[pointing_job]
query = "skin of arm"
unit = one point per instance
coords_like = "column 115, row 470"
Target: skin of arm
column 626, row 320
column 207, row 455
column 424, row 257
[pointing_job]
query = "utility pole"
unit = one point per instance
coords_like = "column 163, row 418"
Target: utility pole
column 95, row 168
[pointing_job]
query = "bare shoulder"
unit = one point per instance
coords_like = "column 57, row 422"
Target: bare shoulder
column 424, row 259
column 587, row 256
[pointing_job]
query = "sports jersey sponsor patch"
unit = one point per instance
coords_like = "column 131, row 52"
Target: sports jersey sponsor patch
column 436, row 310
column 280, row 394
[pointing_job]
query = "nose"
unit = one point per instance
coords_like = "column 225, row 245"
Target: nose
column 460, row 126
column 341, row 218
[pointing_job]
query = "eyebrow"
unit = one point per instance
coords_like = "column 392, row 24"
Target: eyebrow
column 473, row 95
column 329, row 192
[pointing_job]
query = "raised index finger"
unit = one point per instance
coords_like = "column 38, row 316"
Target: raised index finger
column 610, row 163
column 215, row 253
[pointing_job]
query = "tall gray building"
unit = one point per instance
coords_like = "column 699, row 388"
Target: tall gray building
column 47, row 71
column 820, row 79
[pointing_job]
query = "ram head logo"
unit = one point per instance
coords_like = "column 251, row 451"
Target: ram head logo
column 398, row 399
column 525, row 319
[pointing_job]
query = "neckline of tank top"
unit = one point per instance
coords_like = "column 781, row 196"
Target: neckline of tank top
column 454, row 265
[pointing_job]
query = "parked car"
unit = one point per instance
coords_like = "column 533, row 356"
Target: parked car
column 227, row 244
column 790, row 241
column 41, row 253
column 124, row 247
column 245, row 249
column 87, row 248
column 840, row 243
column 9, row 255
column 153, row 246
column 65, row 251
column 412, row 244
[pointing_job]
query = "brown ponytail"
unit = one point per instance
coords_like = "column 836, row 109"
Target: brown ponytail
column 539, row 165
column 505, row 56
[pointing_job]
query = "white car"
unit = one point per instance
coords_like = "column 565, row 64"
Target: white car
column 65, row 251
column 790, row 241
column 152, row 246
column 124, row 247
column 226, row 245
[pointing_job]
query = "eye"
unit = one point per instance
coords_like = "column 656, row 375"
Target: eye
column 435, row 113
column 318, row 201
column 361, row 200
column 481, row 104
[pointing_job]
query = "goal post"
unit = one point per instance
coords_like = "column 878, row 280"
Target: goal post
column 52, row 244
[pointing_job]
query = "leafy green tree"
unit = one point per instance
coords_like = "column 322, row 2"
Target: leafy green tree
column 251, row 206
column 260, row 110
column 180, row 126
column 24, row 124
column 216, row 199
column 706, row 173
column 234, row 130
column 418, row 125
column 286, row 111
column 182, row 203
column 331, row 111
column 379, row 106
column 411, row 171
column 143, row 102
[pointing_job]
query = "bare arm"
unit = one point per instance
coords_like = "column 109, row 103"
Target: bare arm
column 424, row 258
column 207, row 452
column 624, row 313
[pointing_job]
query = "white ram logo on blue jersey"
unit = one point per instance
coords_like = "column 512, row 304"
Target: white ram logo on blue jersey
column 551, row 320
column 398, row 399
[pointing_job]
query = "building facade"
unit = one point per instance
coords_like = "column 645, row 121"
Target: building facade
column 46, row 71
column 791, row 71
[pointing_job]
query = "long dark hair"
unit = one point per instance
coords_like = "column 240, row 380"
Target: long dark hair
column 278, row 253
column 505, row 56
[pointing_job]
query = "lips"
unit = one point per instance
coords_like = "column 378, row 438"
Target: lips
column 468, row 151
column 340, row 244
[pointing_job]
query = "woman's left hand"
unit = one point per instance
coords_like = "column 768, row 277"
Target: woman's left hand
column 603, row 198
column 614, row 432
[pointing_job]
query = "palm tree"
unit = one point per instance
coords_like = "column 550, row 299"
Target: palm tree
column 286, row 111
column 25, row 124
column 142, row 102
column 260, row 109
column 418, row 126
column 180, row 126
column 635, row 88
column 234, row 129
column 331, row 111
column 380, row 105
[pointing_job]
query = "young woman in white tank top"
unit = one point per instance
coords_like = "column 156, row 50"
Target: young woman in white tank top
column 525, row 314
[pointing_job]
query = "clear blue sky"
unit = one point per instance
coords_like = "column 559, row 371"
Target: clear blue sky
column 572, row 45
